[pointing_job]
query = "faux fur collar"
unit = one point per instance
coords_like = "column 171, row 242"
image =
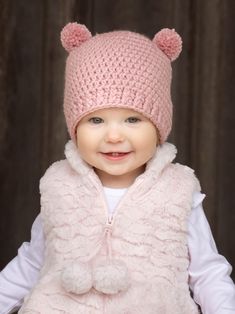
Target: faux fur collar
column 163, row 156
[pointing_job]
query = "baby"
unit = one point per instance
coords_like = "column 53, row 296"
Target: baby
column 121, row 228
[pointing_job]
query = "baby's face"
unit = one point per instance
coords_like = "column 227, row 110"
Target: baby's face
column 117, row 143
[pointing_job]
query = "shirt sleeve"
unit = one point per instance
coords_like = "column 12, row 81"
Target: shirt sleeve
column 21, row 274
column 209, row 272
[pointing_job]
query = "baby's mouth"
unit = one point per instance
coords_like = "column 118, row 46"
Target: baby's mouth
column 116, row 154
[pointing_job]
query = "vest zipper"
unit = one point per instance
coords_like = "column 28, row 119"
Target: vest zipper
column 110, row 218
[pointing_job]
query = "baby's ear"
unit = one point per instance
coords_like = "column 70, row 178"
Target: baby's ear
column 169, row 42
column 73, row 35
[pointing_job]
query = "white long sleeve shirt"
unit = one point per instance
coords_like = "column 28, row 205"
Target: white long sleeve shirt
column 209, row 272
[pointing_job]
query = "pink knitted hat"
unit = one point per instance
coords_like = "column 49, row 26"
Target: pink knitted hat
column 119, row 69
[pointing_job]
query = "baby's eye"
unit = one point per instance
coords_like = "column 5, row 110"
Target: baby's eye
column 95, row 120
column 133, row 120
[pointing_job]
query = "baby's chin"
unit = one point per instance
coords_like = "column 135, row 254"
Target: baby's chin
column 118, row 178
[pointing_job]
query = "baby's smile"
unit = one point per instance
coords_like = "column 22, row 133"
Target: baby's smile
column 116, row 155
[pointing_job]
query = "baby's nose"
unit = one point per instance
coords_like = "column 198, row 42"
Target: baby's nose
column 114, row 134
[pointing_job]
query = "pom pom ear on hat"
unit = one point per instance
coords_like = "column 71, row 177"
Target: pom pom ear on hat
column 73, row 35
column 169, row 42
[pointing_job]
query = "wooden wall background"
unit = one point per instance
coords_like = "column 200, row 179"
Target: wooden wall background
column 32, row 128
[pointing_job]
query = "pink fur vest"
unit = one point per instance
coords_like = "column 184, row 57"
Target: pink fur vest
column 136, row 263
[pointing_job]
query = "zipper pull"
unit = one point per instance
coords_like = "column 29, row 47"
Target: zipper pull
column 110, row 220
column 108, row 227
column 108, row 234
